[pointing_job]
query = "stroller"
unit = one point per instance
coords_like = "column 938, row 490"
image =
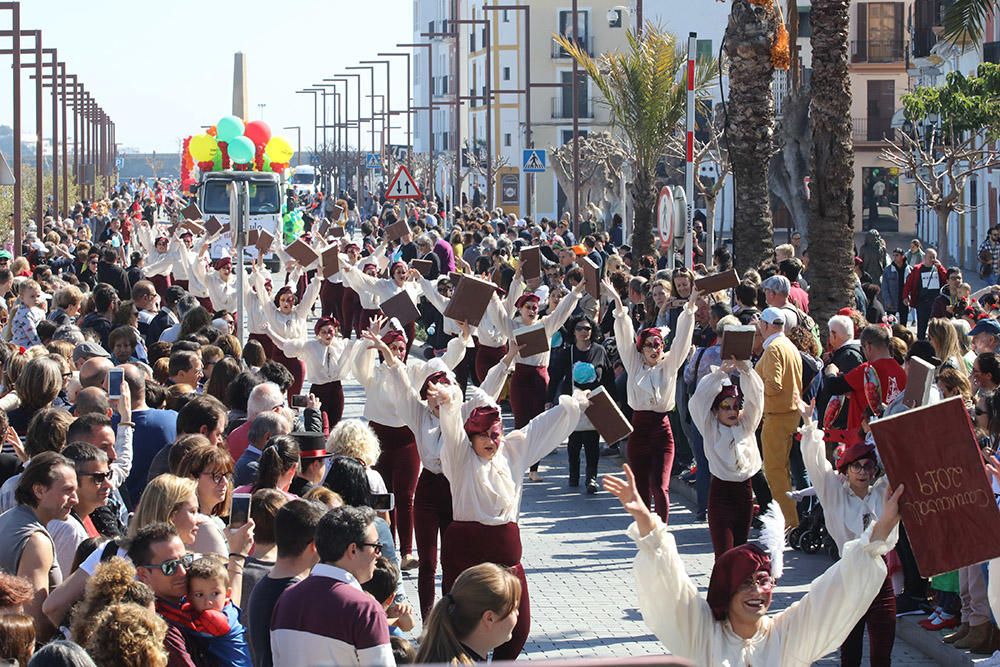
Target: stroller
column 811, row 536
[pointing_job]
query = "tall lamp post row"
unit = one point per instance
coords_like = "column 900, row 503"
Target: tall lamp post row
column 93, row 153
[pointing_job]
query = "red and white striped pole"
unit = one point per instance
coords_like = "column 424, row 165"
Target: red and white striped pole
column 689, row 153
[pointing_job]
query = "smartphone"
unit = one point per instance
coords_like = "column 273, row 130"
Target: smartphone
column 240, row 513
column 300, row 401
column 383, row 502
column 115, row 378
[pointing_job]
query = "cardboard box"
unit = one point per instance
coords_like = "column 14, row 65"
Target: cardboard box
column 324, row 227
column 191, row 212
column 396, row 230
column 738, row 342
column 337, row 231
column 264, row 241
column 591, row 276
column 533, row 337
column 424, row 266
column 253, row 236
column 212, row 225
column 919, row 380
column 401, row 307
column 947, row 505
column 331, row 260
column 607, row 417
column 470, row 300
column 338, row 211
column 194, row 227
column 717, row 282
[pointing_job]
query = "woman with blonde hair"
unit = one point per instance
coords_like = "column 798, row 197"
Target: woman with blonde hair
column 354, row 438
column 128, row 635
column 212, row 469
column 944, row 338
column 478, row 615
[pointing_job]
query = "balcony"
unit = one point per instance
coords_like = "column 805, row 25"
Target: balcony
column 878, row 51
column 560, row 52
column 562, row 107
column 871, row 130
column 991, row 52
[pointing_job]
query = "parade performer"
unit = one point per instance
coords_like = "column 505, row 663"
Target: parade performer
column 420, row 408
column 530, row 383
column 328, row 359
column 732, row 627
column 363, row 303
column 727, row 418
column 161, row 252
column 287, row 317
column 385, row 288
column 652, row 377
column 486, row 471
column 350, row 302
column 851, row 496
column 399, row 463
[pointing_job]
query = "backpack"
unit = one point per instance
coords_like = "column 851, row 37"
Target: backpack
column 807, row 322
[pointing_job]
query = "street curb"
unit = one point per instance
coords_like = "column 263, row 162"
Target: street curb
column 927, row 642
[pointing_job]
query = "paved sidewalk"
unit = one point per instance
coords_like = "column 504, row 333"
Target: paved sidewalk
column 579, row 567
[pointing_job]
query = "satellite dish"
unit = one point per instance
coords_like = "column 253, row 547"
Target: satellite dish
column 6, row 175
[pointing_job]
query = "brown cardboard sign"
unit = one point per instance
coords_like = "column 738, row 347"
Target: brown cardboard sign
column 531, row 262
column 947, row 506
column 337, row 231
column 331, row 260
column 401, row 307
column 607, row 417
column 424, row 266
column 263, row 241
column 470, row 300
column 919, row 380
column 591, row 276
column 737, row 342
column 717, row 282
column 212, row 225
column 396, row 230
column 253, row 236
column 533, row 338
column 302, row 253
column 191, row 212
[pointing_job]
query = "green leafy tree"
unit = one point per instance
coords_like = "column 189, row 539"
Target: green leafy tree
column 645, row 88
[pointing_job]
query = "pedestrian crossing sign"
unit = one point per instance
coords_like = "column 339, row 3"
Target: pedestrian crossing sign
column 373, row 161
column 403, row 186
column 534, row 160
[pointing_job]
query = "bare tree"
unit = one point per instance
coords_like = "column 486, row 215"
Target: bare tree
column 790, row 163
column 601, row 158
column 941, row 167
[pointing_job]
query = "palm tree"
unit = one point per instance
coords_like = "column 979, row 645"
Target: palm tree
column 831, row 211
column 750, row 35
column 965, row 20
column 645, row 90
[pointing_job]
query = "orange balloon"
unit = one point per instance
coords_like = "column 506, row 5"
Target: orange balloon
column 210, row 131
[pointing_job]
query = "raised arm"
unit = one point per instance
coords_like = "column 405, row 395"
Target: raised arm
column 700, row 405
column 287, row 345
column 554, row 320
column 496, row 377
column 303, row 309
column 456, row 451
column 356, row 279
column 824, row 478
column 681, row 345
column 436, row 299
column 457, row 346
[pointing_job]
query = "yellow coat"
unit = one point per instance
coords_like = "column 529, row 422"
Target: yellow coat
column 780, row 367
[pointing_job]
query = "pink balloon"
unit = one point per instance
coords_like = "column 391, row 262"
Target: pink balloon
column 258, row 132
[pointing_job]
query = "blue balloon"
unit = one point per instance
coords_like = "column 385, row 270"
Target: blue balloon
column 241, row 150
column 584, row 373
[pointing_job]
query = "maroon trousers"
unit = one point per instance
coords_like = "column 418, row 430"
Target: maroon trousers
column 331, row 400
column 431, row 516
column 730, row 511
column 183, row 284
column 528, row 389
column 162, row 284
column 881, row 621
column 331, row 297
column 468, row 543
column 206, row 303
column 350, row 306
column 486, row 358
column 399, row 466
column 651, row 456
column 411, row 334
column 295, row 366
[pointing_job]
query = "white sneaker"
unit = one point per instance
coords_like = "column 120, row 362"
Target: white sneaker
column 992, row 661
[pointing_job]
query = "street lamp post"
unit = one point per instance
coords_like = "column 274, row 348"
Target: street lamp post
column 313, row 92
column 432, row 176
column 37, row 65
column 357, row 80
column 15, row 9
column 409, row 104
column 371, row 74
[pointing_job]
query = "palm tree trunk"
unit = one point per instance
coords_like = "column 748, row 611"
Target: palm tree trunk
column 750, row 126
column 831, row 199
column 644, row 199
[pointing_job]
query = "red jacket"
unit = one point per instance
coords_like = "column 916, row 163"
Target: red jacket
column 913, row 287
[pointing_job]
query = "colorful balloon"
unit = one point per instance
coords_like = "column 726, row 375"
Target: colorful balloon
column 279, row 149
column 241, row 150
column 258, row 132
column 203, row 147
column 228, row 128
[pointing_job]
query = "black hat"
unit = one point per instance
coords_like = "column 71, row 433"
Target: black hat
column 311, row 445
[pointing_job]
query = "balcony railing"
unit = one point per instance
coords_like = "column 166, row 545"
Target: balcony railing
column 878, row 51
column 868, row 130
column 562, row 107
column 586, row 42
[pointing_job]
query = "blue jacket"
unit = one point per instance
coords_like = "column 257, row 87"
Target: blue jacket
column 892, row 287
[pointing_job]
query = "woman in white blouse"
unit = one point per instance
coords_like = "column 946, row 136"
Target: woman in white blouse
column 652, row 378
column 486, row 470
column 287, row 317
column 728, row 418
column 328, row 359
column 385, row 288
column 852, row 496
column 421, row 410
column 732, row 626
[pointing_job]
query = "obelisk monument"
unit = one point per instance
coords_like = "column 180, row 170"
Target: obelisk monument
column 240, row 86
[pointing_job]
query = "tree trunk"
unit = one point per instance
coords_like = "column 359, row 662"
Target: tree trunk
column 942, row 235
column 644, row 200
column 710, row 205
column 831, row 262
column 750, row 126
column 790, row 164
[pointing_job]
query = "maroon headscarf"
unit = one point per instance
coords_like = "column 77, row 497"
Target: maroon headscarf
column 222, row 263
column 856, row 452
column 482, row 420
column 439, row 377
column 526, row 298
column 325, row 322
column 645, row 335
column 728, row 391
column 730, row 571
column 393, row 335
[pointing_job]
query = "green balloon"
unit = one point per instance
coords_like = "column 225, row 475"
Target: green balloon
column 241, row 150
column 267, row 163
column 228, row 128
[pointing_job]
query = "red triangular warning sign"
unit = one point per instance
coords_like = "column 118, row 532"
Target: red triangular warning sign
column 403, row 186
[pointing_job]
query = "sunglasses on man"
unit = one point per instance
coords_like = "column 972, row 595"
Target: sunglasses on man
column 170, row 567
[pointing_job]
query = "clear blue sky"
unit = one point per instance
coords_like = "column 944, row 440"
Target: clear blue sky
column 161, row 70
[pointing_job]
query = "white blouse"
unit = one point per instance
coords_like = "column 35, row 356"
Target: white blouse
column 489, row 492
column 732, row 452
column 291, row 326
column 491, row 331
column 847, row 516
column 798, row 636
column 440, row 303
column 425, row 425
column 324, row 363
column 382, row 289
column 552, row 322
column 381, row 405
column 653, row 387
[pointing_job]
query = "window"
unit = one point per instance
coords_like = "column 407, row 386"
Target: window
column 506, row 16
column 581, row 33
column 881, row 106
column 565, row 106
column 506, row 74
column 880, row 193
column 880, row 33
column 507, row 139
